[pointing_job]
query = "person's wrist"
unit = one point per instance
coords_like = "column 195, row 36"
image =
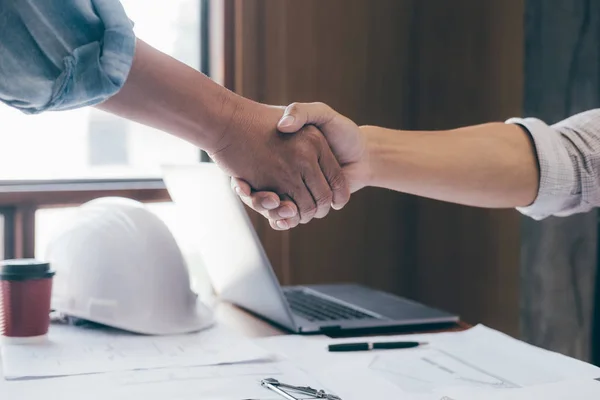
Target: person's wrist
column 237, row 117
column 227, row 114
column 370, row 158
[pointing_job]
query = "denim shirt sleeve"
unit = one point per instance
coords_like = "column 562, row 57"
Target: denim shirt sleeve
column 63, row 54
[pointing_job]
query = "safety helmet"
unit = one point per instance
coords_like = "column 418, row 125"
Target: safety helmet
column 118, row 264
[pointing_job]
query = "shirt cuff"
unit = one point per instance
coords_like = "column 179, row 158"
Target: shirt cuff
column 98, row 70
column 555, row 194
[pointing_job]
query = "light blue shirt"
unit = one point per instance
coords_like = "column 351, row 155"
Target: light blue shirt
column 63, row 54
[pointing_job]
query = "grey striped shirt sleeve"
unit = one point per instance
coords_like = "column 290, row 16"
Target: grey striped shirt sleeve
column 569, row 158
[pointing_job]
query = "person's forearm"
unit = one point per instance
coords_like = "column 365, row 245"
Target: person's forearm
column 240, row 135
column 166, row 94
column 491, row 165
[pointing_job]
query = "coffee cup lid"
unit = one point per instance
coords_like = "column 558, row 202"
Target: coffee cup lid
column 24, row 269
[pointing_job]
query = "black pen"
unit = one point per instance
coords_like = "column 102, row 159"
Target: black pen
column 373, row 346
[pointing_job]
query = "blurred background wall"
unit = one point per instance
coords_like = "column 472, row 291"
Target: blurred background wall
column 399, row 64
column 432, row 65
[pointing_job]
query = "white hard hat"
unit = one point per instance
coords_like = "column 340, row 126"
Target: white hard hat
column 118, row 264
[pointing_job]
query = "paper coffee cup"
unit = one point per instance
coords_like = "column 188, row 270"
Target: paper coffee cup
column 25, row 292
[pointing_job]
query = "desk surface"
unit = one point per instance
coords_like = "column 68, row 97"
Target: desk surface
column 251, row 326
column 243, row 322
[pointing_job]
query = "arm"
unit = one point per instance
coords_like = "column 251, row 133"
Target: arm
column 240, row 135
column 85, row 53
column 491, row 165
column 542, row 170
column 168, row 95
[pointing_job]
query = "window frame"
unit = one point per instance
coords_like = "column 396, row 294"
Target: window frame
column 19, row 201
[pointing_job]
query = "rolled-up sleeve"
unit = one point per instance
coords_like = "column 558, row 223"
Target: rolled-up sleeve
column 569, row 161
column 63, row 54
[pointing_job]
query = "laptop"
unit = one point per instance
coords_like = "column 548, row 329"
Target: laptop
column 241, row 273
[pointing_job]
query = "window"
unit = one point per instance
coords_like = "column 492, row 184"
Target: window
column 88, row 143
column 57, row 161
column 107, row 139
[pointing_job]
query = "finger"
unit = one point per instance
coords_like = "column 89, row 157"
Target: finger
column 320, row 191
column 281, row 224
column 297, row 115
column 243, row 190
column 261, row 202
column 336, row 179
column 240, row 187
column 305, row 202
column 286, row 210
column 248, row 201
column 264, row 201
column 293, row 221
column 274, row 225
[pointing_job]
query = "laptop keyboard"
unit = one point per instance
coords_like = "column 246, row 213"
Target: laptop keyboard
column 316, row 308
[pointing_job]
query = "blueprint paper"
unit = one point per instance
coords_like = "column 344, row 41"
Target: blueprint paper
column 74, row 350
column 480, row 358
column 226, row 382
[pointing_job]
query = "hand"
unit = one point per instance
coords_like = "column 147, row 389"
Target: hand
column 301, row 168
column 347, row 142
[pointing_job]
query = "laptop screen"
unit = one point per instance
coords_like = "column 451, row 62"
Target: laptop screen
column 233, row 256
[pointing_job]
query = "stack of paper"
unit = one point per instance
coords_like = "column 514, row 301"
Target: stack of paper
column 476, row 364
column 81, row 363
column 225, row 382
column 480, row 359
column 74, row 351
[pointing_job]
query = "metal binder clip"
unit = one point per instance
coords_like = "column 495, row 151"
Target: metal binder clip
column 277, row 387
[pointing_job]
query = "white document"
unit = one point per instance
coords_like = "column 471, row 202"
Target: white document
column 74, row 350
column 577, row 389
column 226, row 382
column 479, row 358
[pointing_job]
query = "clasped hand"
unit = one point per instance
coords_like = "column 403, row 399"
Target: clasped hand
column 324, row 153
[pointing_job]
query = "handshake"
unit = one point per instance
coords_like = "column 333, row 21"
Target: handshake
column 296, row 164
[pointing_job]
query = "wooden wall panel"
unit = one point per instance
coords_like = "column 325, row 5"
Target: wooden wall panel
column 338, row 58
column 470, row 63
column 401, row 64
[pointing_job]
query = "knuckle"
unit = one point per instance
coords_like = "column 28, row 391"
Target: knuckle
column 313, row 136
column 305, row 160
column 293, row 108
column 320, row 104
column 306, row 163
column 337, row 181
column 324, row 200
column 308, row 211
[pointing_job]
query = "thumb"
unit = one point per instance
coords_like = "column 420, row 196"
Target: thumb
column 297, row 115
